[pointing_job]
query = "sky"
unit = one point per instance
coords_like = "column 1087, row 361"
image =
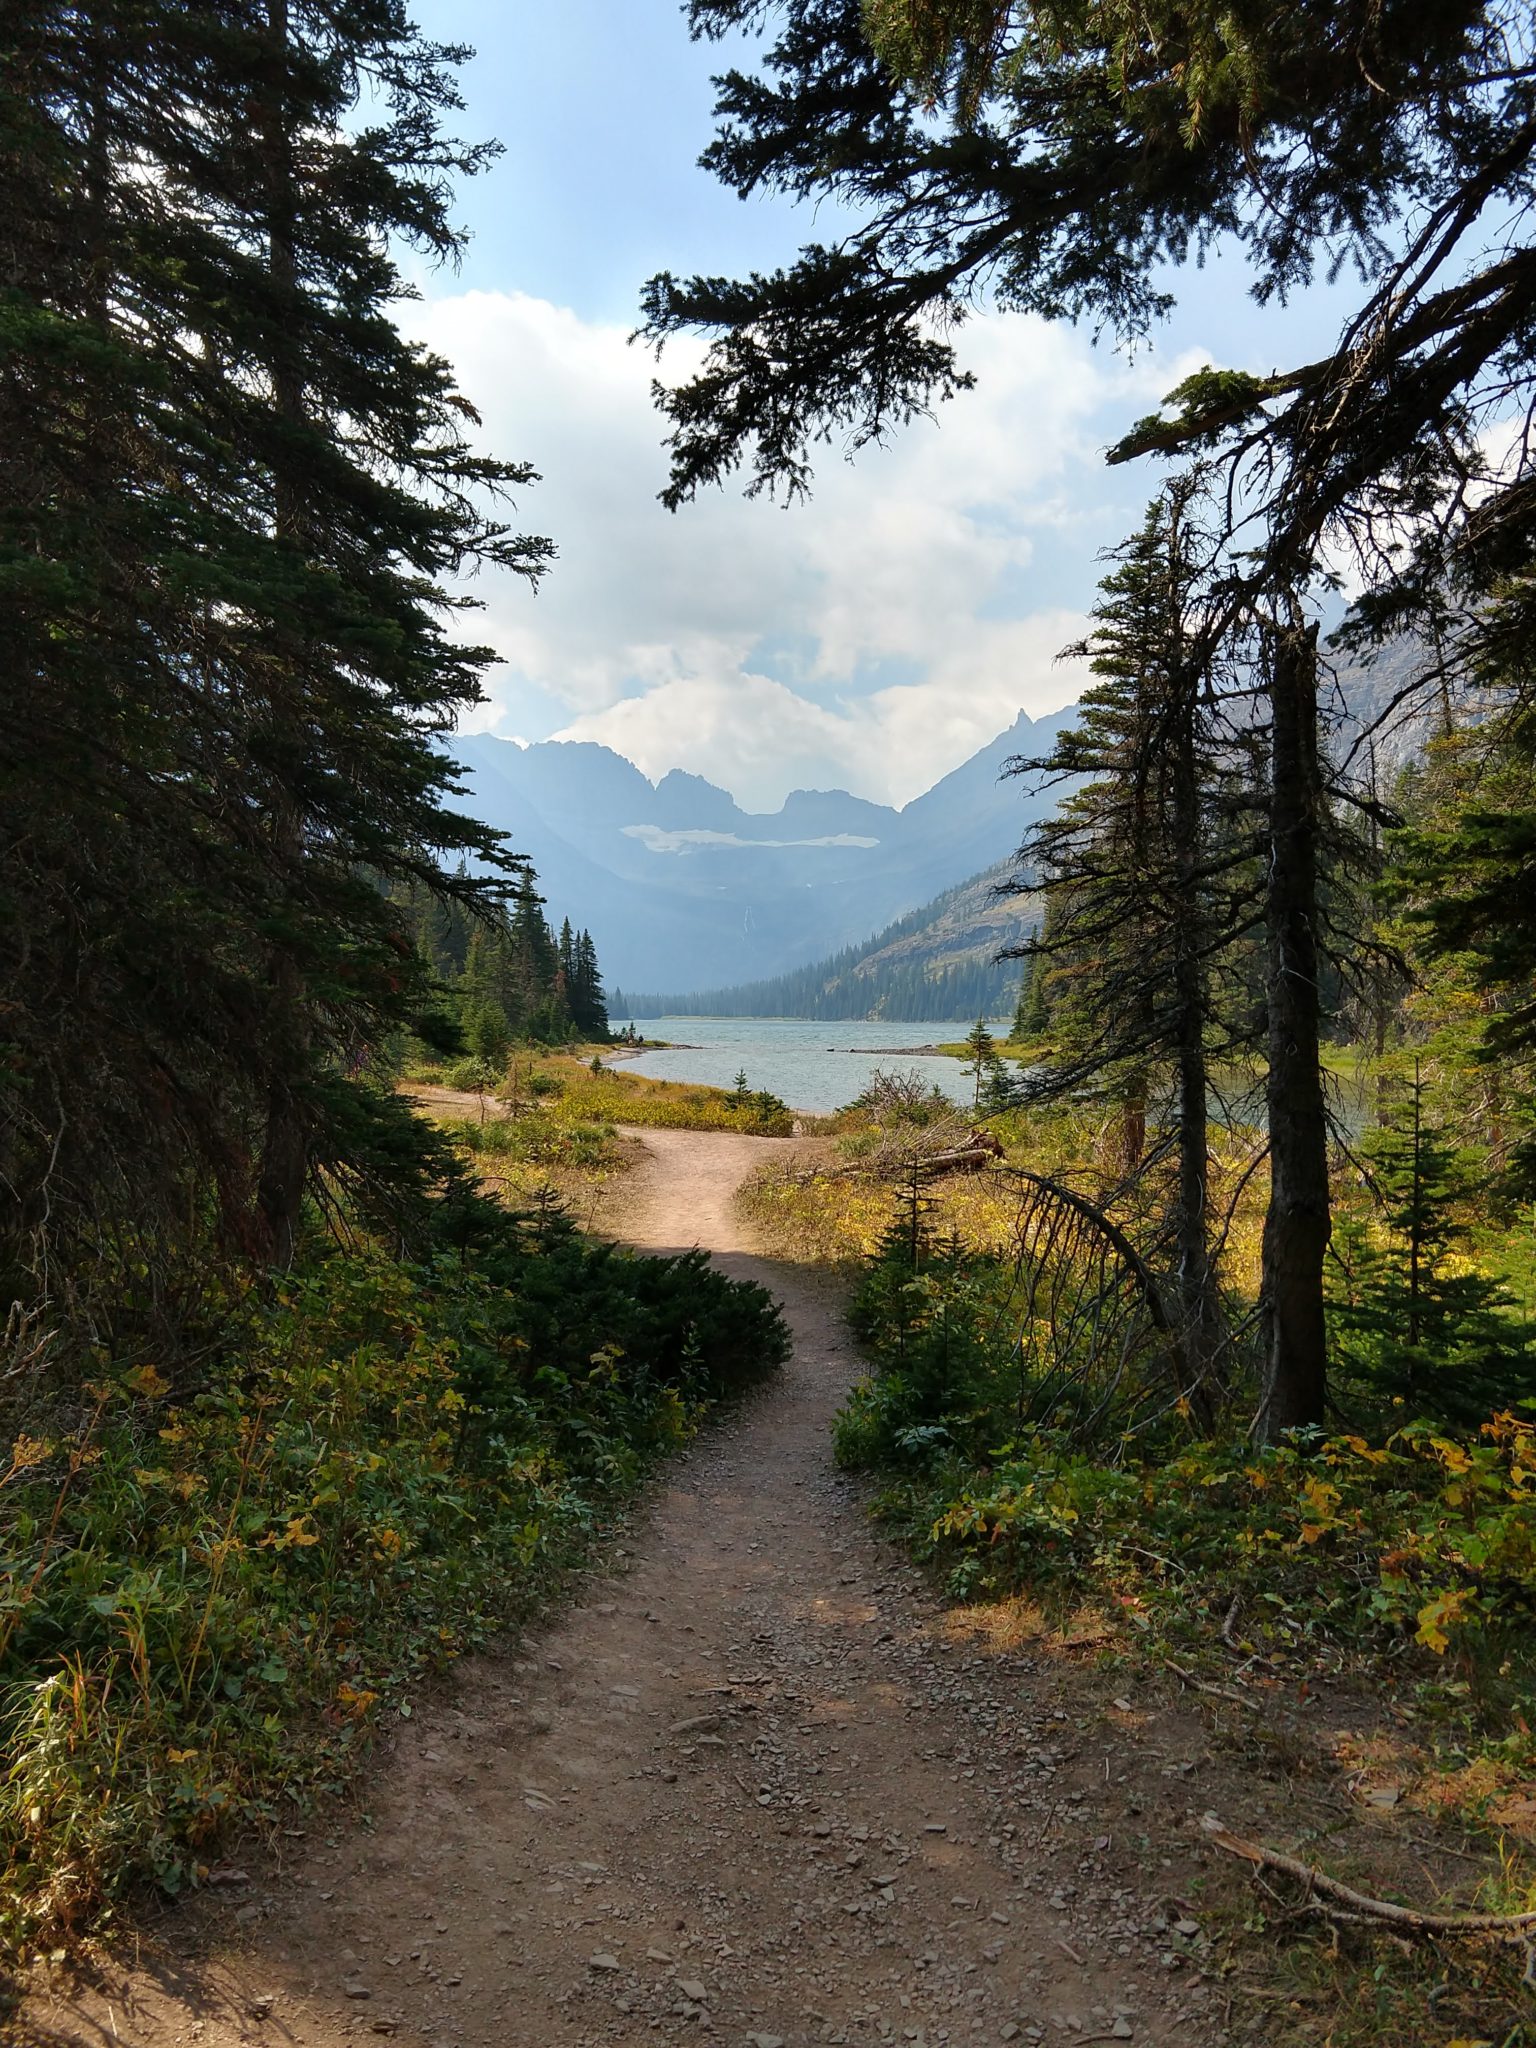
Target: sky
column 870, row 640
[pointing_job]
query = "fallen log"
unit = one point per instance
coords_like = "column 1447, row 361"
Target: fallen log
column 970, row 1159
column 1361, row 1904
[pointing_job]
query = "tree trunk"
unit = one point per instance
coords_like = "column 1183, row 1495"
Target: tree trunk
column 1297, row 1226
column 1123, row 1144
column 1196, row 1283
column 284, row 1165
column 1197, row 1302
column 285, row 1146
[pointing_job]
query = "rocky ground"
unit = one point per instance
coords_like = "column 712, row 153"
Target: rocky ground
column 758, row 1788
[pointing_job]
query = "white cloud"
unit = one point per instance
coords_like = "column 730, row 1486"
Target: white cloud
column 653, row 631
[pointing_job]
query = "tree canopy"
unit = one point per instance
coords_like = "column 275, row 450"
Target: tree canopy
column 232, row 495
column 1066, row 159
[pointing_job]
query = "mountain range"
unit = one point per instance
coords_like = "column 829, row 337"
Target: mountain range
column 682, row 889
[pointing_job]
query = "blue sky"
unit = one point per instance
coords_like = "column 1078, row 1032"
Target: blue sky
column 869, row 641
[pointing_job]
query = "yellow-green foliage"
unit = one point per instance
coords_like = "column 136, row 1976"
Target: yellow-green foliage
column 565, row 1089
column 1341, row 1546
column 543, row 1135
column 826, row 1219
column 184, row 1573
column 840, row 1215
column 619, row 1097
column 1410, row 1554
column 210, row 1585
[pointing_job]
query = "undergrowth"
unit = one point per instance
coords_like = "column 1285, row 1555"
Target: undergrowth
column 1411, row 1546
column 567, row 1091
column 1388, row 1565
column 216, row 1578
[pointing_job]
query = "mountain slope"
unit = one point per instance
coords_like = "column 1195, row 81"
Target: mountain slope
column 936, row 965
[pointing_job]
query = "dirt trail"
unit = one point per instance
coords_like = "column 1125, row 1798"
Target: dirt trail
column 757, row 1788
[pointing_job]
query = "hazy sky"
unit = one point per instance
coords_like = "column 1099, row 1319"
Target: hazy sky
column 871, row 640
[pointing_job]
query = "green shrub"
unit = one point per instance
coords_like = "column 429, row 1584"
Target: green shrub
column 1421, row 1543
column 471, row 1077
column 536, row 1138
column 211, row 1587
column 1421, row 1540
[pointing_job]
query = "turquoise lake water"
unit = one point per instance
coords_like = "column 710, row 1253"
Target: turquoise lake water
column 816, row 1067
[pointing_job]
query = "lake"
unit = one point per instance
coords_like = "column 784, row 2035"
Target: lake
column 811, row 1066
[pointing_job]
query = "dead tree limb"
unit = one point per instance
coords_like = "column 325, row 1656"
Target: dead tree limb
column 1360, row 1903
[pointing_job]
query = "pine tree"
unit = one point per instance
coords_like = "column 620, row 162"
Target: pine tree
column 981, row 1049
column 488, row 1037
column 230, row 497
column 588, row 1006
column 1032, row 1011
column 1003, row 1089
column 1148, row 868
column 1412, row 1319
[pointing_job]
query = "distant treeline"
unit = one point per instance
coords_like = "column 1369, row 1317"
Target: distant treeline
column 502, row 974
column 912, row 988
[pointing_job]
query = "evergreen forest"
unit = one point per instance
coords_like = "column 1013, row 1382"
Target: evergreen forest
column 503, row 978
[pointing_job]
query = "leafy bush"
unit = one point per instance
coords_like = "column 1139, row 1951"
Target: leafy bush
column 1421, row 1540
column 1425, row 1541
column 471, row 1077
column 891, row 1098
column 942, row 1380
column 536, row 1138
column 210, row 1586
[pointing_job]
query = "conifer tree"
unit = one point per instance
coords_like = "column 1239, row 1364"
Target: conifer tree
column 1412, row 1318
column 588, row 1004
column 231, row 495
column 982, row 1058
column 1148, row 867
column 1032, row 1011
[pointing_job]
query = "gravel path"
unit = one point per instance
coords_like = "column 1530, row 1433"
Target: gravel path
column 758, row 1789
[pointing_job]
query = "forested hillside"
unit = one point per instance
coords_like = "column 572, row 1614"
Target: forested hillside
column 938, row 964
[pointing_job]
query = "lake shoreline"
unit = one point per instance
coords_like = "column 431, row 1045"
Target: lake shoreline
column 895, row 1052
column 614, row 1053
column 819, row 1066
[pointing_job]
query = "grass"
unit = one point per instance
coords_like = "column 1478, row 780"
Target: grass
column 569, row 1090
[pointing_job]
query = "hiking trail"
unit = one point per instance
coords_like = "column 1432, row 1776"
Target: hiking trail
column 758, row 1788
